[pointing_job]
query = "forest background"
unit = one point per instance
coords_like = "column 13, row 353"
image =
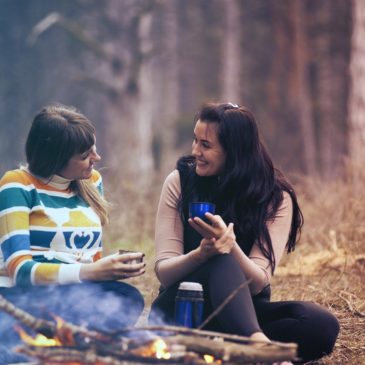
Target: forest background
column 140, row 69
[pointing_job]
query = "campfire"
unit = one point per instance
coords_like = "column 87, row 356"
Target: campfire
column 61, row 342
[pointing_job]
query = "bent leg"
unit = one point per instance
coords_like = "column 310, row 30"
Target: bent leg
column 311, row 326
column 220, row 276
column 238, row 315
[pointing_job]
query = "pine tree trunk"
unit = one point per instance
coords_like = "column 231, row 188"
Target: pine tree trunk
column 357, row 91
column 331, row 87
column 168, row 75
column 231, row 52
column 304, row 103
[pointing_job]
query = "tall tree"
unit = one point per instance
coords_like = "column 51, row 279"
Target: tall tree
column 302, row 86
column 357, row 91
column 231, row 69
column 166, row 83
column 117, row 36
column 330, row 33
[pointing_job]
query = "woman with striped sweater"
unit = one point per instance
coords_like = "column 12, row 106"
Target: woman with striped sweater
column 51, row 217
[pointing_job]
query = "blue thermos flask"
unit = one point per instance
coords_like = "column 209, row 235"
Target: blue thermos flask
column 189, row 304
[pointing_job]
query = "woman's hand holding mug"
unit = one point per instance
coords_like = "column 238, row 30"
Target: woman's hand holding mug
column 218, row 238
column 114, row 267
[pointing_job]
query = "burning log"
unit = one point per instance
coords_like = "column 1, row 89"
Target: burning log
column 225, row 347
column 64, row 355
column 230, row 352
column 66, row 332
column 47, row 328
column 197, row 332
column 183, row 345
column 194, row 353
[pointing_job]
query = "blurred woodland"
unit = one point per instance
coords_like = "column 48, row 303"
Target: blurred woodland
column 140, row 69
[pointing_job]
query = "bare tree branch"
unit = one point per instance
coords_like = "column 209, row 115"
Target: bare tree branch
column 77, row 33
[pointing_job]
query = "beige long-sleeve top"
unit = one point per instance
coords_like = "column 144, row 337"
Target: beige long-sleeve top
column 172, row 264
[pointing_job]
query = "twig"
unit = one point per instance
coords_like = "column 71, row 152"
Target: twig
column 202, row 333
column 224, row 303
column 351, row 307
column 353, row 310
column 234, row 352
column 42, row 326
column 76, row 31
column 110, row 351
column 65, row 355
column 194, row 350
column 59, row 355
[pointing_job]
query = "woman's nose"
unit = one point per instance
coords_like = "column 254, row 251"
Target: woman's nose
column 96, row 157
column 195, row 151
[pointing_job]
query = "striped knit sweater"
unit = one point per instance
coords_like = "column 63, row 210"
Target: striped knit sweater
column 46, row 231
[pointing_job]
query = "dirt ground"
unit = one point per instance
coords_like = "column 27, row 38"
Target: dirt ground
column 328, row 278
column 327, row 267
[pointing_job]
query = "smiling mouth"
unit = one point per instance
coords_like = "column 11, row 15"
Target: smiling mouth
column 201, row 163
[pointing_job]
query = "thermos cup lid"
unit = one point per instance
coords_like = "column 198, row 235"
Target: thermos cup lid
column 189, row 285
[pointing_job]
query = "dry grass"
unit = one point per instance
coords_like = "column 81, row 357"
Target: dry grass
column 327, row 267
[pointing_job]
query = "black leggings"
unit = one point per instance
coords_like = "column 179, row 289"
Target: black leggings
column 309, row 325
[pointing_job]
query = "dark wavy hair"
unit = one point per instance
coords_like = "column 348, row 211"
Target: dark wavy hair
column 250, row 190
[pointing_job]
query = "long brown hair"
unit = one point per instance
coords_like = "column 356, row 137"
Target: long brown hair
column 250, row 190
column 58, row 132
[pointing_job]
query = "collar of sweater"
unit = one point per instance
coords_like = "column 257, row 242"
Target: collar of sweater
column 56, row 181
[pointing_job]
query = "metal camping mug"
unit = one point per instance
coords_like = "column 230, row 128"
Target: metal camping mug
column 198, row 209
column 189, row 303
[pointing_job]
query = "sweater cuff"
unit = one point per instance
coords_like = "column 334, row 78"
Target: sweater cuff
column 69, row 274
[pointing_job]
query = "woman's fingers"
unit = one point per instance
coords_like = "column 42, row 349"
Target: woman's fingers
column 134, row 257
column 225, row 244
column 207, row 248
column 216, row 228
column 125, row 265
column 133, row 267
column 216, row 220
column 133, row 274
column 204, row 229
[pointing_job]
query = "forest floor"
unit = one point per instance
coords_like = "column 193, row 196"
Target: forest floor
column 327, row 267
column 335, row 283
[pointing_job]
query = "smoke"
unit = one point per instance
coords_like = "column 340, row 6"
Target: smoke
column 107, row 306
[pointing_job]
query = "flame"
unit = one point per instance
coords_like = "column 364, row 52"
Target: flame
column 39, row 340
column 160, row 348
column 208, row 358
column 157, row 349
column 64, row 334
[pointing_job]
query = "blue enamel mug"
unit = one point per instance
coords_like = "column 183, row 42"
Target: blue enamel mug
column 198, row 209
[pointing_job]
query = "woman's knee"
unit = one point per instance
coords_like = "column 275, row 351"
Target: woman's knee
column 318, row 331
column 225, row 265
column 132, row 294
column 329, row 329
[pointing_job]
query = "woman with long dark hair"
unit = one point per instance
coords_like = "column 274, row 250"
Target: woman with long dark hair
column 257, row 219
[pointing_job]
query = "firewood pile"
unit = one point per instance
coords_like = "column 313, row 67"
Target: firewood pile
column 60, row 342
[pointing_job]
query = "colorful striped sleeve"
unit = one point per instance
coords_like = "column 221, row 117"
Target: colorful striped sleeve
column 17, row 201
